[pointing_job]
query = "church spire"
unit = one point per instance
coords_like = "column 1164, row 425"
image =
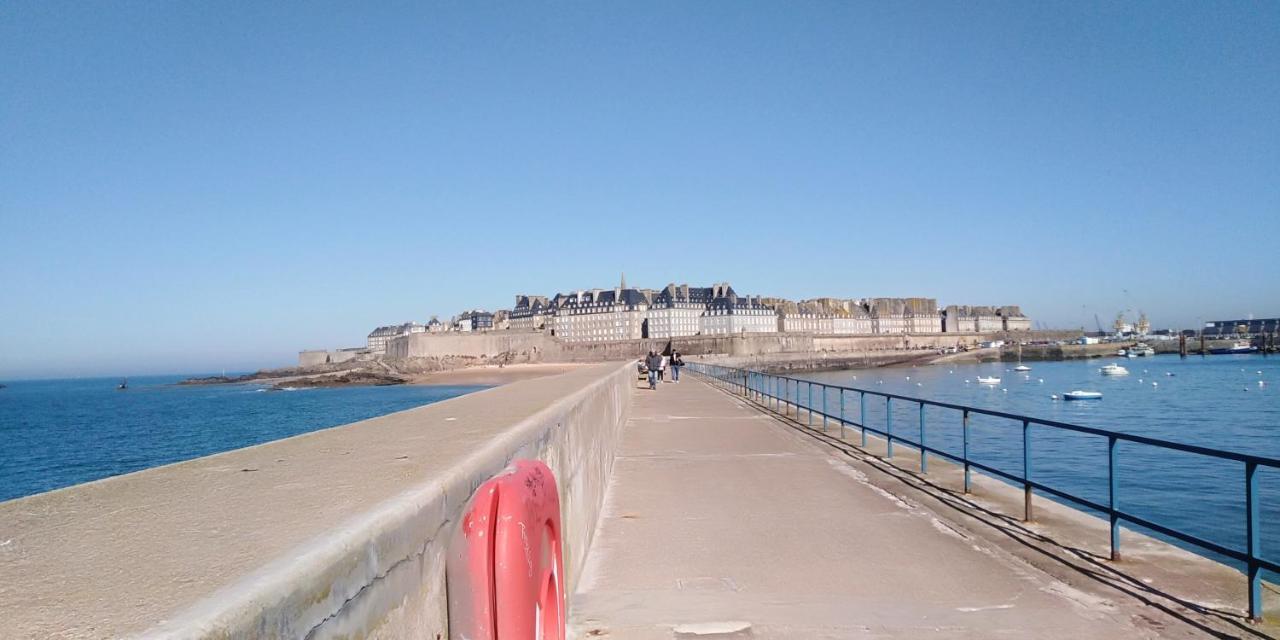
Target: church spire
column 624, row 281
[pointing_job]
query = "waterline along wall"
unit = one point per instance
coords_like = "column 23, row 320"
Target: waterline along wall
column 339, row 533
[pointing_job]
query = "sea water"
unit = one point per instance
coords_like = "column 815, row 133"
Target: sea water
column 1221, row 402
column 56, row 433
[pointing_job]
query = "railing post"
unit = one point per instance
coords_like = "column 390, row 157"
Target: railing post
column 1253, row 520
column 888, row 426
column 1026, row 471
column 809, row 406
column 1113, row 497
column 862, row 421
column 824, row 408
column 842, row 413
column 965, row 456
column 924, row 453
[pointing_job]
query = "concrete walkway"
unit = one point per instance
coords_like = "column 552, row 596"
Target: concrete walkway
column 720, row 521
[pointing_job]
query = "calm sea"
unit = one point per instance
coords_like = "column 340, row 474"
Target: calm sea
column 1214, row 401
column 56, row 433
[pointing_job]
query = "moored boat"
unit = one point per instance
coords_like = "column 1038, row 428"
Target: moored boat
column 1022, row 367
column 1239, row 346
column 1082, row 395
column 993, row 380
column 1141, row 349
column 1113, row 369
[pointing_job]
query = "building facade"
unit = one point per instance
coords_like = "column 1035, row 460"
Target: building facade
column 600, row 315
column 377, row 340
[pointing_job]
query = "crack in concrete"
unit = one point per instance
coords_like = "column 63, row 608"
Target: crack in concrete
column 420, row 552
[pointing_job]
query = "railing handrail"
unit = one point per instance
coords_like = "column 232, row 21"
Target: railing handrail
column 1120, row 435
column 750, row 382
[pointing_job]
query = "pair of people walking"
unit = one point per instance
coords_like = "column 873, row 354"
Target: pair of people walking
column 657, row 366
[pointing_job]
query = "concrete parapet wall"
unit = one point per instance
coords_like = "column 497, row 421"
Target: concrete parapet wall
column 340, row 533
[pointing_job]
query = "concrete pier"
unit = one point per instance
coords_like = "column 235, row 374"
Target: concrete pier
column 724, row 521
column 687, row 512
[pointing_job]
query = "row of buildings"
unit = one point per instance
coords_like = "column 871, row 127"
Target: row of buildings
column 626, row 313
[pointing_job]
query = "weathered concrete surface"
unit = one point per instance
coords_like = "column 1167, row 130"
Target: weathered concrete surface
column 337, row 533
column 723, row 522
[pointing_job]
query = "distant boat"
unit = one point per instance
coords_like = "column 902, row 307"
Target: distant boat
column 1082, row 395
column 124, row 384
column 1141, row 349
column 1239, row 346
column 1114, row 369
column 982, row 380
column 1022, row 367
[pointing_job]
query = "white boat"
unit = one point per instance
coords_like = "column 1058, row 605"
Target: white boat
column 1022, row 367
column 1082, row 395
column 1141, row 349
column 1114, row 369
column 982, row 380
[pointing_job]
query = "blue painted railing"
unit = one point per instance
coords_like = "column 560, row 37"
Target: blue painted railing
column 782, row 394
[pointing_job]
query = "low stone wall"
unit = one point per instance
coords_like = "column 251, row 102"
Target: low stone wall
column 340, row 533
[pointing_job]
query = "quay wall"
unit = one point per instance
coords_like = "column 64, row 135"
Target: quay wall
column 341, row 533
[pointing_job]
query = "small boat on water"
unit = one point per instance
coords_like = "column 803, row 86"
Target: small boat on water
column 1239, row 346
column 982, row 380
column 1082, row 395
column 124, row 384
column 1141, row 349
column 1022, row 367
column 1113, row 369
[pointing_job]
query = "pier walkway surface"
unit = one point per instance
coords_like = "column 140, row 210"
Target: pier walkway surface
column 721, row 520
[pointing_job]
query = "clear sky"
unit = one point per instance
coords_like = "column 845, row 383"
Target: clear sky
column 188, row 187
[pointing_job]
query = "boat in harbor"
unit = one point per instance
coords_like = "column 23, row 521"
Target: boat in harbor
column 982, row 380
column 1022, row 367
column 1140, row 350
column 1082, row 395
column 1239, row 346
column 1113, row 369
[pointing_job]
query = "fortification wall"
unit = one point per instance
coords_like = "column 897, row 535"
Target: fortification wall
column 322, row 357
column 475, row 345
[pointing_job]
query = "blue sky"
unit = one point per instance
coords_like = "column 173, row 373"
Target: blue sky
column 191, row 187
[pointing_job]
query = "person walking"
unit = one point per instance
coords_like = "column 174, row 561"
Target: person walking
column 654, row 364
column 676, row 363
column 662, row 371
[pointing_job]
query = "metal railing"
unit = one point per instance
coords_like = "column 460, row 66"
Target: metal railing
column 782, row 393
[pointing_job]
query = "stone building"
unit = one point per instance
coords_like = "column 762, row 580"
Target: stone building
column 1013, row 319
column 727, row 313
column 600, row 315
column 474, row 320
column 984, row 319
column 677, row 311
column 530, row 313
column 377, row 340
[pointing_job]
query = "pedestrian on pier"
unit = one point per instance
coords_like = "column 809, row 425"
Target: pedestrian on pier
column 676, row 363
column 654, row 364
